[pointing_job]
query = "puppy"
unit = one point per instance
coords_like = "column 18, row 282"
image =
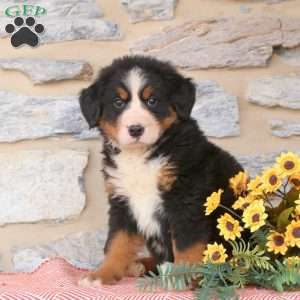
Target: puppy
column 158, row 166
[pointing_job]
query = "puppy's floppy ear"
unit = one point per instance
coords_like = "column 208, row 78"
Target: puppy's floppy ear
column 90, row 105
column 184, row 98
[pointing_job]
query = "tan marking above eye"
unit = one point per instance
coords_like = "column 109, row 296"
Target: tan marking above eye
column 147, row 92
column 122, row 93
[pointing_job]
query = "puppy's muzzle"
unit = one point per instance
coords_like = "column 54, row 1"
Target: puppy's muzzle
column 136, row 131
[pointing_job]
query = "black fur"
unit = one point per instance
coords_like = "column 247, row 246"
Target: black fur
column 170, row 87
column 201, row 167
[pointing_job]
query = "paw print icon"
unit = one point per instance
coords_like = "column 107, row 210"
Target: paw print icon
column 24, row 32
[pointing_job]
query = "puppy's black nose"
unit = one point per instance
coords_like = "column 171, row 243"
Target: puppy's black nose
column 136, row 130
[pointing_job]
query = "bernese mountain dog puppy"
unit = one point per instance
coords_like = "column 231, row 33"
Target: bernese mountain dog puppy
column 158, row 166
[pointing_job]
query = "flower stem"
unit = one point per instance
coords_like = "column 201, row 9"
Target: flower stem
column 269, row 202
column 280, row 193
column 231, row 211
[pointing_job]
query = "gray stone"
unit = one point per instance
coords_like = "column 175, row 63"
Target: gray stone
column 290, row 28
column 38, row 185
column 245, row 9
column 215, row 110
column 278, row 90
column 255, row 164
column 284, row 129
column 45, row 70
column 68, row 29
column 220, row 43
column 32, row 117
column 83, row 250
column 290, row 56
column 63, row 8
column 141, row 10
column 274, row 1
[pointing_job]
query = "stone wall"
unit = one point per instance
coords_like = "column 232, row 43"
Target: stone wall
column 244, row 57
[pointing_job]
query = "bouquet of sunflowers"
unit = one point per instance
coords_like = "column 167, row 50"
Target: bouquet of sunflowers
column 267, row 211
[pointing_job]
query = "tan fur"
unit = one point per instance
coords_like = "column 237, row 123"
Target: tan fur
column 121, row 253
column 123, row 94
column 149, row 263
column 147, row 92
column 136, row 269
column 109, row 188
column 110, row 130
column 193, row 254
column 168, row 121
column 167, row 177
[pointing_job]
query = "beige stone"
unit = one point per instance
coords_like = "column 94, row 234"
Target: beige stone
column 277, row 90
column 284, row 129
column 41, row 185
column 82, row 249
column 221, row 43
column 47, row 70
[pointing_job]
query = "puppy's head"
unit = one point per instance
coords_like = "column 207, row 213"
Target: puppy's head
column 135, row 99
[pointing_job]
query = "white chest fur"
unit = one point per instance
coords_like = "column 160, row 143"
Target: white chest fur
column 137, row 179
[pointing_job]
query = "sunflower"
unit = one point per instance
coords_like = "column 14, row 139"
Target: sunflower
column 215, row 253
column 229, row 227
column 213, row 201
column 295, row 180
column 241, row 203
column 288, row 163
column 255, row 185
column 239, row 183
column 297, row 208
column 292, row 234
column 271, row 180
column 276, row 243
column 254, row 215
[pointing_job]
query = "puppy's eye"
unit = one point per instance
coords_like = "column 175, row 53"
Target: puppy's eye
column 119, row 103
column 152, row 102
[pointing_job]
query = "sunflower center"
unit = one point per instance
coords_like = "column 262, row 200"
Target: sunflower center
column 296, row 232
column 229, row 226
column 273, row 179
column 296, row 181
column 216, row 256
column 278, row 240
column 288, row 165
column 245, row 205
column 255, row 218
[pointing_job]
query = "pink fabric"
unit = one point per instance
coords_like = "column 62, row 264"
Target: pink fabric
column 56, row 279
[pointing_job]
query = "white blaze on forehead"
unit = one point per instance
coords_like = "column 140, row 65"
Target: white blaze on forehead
column 136, row 113
column 135, row 81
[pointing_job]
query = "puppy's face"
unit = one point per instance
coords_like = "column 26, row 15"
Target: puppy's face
column 136, row 110
column 136, row 99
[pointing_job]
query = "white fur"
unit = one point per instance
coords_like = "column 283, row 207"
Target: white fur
column 136, row 113
column 137, row 179
column 88, row 282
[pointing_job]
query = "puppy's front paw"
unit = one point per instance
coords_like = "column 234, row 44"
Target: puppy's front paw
column 89, row 281
column 102, row 276
column 136, row 269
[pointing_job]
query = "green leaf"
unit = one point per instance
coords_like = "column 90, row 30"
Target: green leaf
column 283, row 218
column 291, row 196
